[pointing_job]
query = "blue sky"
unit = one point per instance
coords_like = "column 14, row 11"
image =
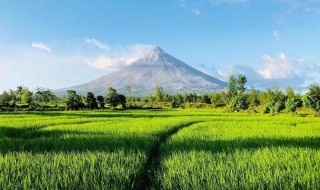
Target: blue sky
column 57, row 44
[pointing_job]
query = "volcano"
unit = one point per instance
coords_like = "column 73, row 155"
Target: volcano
column 157, row 68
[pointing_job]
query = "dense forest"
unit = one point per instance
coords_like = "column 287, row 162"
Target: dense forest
column 236, row 98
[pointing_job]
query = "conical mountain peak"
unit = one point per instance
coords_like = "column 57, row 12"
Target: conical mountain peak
column 155, row 53
column 156, row 68
column 157, row 50
column 156, row 56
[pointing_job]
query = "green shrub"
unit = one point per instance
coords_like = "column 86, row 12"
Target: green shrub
column 237, row 104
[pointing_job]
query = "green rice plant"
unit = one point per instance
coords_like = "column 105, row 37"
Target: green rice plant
column 158, row 149
column 243, row 153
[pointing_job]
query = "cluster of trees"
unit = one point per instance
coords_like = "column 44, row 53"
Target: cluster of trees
column 73, row 101
column 23, row 98
column 236, row 98
column 273, row 100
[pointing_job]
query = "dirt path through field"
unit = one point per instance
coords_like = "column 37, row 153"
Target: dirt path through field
column 154, row 158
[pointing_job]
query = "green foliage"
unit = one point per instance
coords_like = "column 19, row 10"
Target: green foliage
column 7, row 99
column 122, row 100
column 205, row 99
column 290, row 92
column 26, row 97
column 237, row 103
column 100, row 100
column 312, row 98
column 219, row 99
column 159, row 94
column 91, row 101
column 42, row 97
column 232, row 87
column 113, row 98
column 237, row 100
column 291, row 104
column 150, row 99
column 253, row 97
column 274, row 107
column 241, row 82
column 18, row 93
column 73, row 100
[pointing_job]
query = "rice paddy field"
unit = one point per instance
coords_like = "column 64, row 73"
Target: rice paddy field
column 158, row 149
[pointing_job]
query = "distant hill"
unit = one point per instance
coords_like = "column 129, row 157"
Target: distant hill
column 155, row 68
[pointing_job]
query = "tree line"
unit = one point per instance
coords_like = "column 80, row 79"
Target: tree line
column 44, row 99
column 237, row 98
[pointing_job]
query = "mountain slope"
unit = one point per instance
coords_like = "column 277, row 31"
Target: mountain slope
column 156, row 68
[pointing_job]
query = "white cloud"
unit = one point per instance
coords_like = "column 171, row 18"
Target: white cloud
column 119, row 56
column 196, row 12
column 109, row 63
column 236, row 70
column 97, row 43
column 41, row 46
column 276, row 35
column 272, row 68
column 276, row 68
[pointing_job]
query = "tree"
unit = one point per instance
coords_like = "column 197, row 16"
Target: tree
column 112, row 98
column 241, row 82
column 219, row 99
column 237, row 104
column 178, row 98
column 278, row 95
column 91, row 101
column 205, row 99
column 122, row 100
column 159, row 94
column 6, row 98
column 19, row 92
column 44, row 96
column 291, row 105
column 253, row 97
column 73, row 100
column 26, row 96
column 235, row 92
column 289, row 92
column 232, row 88
column 189, row 98
column 150, row 99
column 267, row 97
column 312, row 98
column 100, row 100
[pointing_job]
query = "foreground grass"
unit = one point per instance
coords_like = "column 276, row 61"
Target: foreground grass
column 115, row 150
column 78, row 150
column 255, row 153
column 71, row 170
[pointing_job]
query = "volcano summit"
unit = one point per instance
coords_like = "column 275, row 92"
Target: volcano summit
column 157, row 68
